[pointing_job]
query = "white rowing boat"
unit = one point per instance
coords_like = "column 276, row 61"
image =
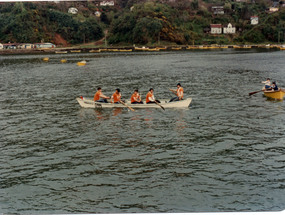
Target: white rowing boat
column 89, row 103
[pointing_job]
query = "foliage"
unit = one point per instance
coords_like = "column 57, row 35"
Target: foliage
column 148, row 22
column 254, row 37
column 26, row 23
column 144, row 22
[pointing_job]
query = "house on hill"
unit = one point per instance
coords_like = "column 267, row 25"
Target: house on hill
column 25, row 46
column 10, row 45
column 216, row 28
column 1, row 46
column 218, row 10
column 73, row 10
column 97, row 13
column 272, row 9
column 107, row 3
column 254, row 20
column 44, row 45
column 229, row 29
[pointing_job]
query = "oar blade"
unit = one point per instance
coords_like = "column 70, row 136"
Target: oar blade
column 159, row 105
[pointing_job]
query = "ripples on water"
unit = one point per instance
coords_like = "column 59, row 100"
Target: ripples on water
column 224, row 153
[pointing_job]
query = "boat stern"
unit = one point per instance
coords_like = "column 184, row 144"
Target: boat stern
column 279, row 95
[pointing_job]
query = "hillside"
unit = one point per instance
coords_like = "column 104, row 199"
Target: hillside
column 141, row 22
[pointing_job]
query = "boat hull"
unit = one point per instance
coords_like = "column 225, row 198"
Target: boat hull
column 89, row 103
column 81, row 63
column 275, row 94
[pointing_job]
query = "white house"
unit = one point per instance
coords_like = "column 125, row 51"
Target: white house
column 97, row 13
column 216, row 28
column 73, row 10
column 10, row 45
column 107, row 3
column 25, row 46
column 44, row 45
column 218, row 10
column 254, row 20
column 1, row 46
column 273, row 9
column 229, row 29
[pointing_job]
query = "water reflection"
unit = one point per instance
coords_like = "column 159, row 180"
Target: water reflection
column 117, row 111
column 181, row 124
column 99, row 113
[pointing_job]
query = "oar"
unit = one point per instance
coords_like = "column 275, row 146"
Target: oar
column 255, row 92
column 159, row 105
column 123, row 103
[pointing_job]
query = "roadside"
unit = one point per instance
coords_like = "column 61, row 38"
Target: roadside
column 92, row 48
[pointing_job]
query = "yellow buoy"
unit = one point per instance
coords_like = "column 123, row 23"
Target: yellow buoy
column 45, row 59
column 63, row 60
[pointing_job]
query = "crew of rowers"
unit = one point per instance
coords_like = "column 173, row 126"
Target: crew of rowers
column 136, row 98
column 268, row 86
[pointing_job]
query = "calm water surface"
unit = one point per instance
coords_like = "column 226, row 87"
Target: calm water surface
column 224, row 153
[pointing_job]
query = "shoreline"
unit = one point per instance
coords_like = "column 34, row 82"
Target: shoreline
column 132, row 49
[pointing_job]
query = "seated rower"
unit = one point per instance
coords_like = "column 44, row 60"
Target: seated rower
column 150, row 97
column 116, row 97
column 178, row 92
column 136, row 98
column 99, row 97
column 274, row 86
column 267, row 84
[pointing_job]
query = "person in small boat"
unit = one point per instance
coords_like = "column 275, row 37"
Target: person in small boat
column 136, row 98
column 267, row 84
column 150, row 97
column 116, row 97
column 274, row 86
column 179, row 93
column 100, row 97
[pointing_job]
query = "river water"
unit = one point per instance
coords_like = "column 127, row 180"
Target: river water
column 224, row 153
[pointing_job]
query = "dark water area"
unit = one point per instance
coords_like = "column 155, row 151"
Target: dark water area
column 224, row 153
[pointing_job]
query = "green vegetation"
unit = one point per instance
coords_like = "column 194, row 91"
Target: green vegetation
column 140, row 22
column 184, row 22
column 28, row 23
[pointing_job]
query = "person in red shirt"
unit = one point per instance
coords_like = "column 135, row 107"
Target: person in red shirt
column 178, row 92
column 136, row 98
column 150, row 97
column 100, row 97
column 116, row 97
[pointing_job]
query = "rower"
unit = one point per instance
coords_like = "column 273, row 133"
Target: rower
column 178, row 92
column 116, row 97
column 267, row 84
column 150, row 97
column 136, row 98
column 274, row 86
column 99, row 97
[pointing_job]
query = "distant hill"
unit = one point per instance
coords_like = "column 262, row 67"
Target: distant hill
column 35, row 22
column 143, row 22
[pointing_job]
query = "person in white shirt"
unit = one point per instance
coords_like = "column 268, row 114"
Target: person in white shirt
column 267, row 84
column 150, row 97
